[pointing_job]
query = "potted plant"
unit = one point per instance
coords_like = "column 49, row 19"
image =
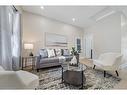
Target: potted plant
column 75, row 54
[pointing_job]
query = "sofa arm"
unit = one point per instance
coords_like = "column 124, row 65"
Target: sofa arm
column 38, row 61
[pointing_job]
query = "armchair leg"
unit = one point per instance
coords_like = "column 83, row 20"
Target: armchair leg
column 117, row 73
column 94, row 66
column 104, row 73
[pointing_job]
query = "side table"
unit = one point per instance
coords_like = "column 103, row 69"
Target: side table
column 28, row 61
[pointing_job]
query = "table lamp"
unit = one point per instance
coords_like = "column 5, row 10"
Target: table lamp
column 29, row 46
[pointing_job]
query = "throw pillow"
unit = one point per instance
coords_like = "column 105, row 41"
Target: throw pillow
column 58, row 52
column 51, row 53
column 66, row 52
column 43, row 53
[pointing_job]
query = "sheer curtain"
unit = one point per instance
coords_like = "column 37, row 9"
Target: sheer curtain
column 16, row 41
column 9, row 38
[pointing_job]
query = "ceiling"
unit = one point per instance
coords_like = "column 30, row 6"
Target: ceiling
column 84, row 15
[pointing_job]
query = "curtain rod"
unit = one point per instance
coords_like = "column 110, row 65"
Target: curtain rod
column 15, row 8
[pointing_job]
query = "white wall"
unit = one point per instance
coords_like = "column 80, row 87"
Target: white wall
column 124, row 37
column 35, row 26
column 106, row 35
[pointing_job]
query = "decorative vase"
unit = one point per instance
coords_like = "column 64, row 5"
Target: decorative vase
column 74, row 61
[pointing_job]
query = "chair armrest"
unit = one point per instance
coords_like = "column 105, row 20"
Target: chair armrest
column 18, row 80
column 9, row 80
column 28, row 79
column 118, row 61
column 96, row 62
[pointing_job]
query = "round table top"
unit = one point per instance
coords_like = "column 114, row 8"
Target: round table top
column 79, row 67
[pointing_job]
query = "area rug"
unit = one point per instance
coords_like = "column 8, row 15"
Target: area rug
column 51, row 79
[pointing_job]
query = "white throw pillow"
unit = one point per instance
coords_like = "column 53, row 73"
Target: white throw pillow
column 50, row 52
column 58, row 52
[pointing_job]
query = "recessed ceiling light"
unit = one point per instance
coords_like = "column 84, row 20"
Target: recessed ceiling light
column 42, row 7
column 73, row 19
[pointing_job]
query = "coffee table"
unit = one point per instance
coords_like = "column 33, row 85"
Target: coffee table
column 73, row 75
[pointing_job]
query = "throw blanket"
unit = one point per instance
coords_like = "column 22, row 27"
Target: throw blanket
column 62, row 59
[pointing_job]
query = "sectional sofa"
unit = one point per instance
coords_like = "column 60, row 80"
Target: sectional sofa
column 52, row 57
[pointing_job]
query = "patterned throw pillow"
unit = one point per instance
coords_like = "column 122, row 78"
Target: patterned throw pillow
column 51, row 53
column 43, row 53
column 66, row 52
column 58, row 52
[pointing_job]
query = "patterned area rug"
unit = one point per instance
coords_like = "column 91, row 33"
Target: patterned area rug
column 51, row 79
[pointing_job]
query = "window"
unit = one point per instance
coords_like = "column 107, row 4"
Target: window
column 78, row 44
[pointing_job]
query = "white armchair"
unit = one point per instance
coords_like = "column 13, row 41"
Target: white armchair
column 17, row 80
column 108, row 62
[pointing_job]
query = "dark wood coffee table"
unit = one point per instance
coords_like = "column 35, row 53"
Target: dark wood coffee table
column 73, row 75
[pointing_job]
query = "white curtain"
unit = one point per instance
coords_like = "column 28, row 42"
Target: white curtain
column 9, row 41
column 16, row 41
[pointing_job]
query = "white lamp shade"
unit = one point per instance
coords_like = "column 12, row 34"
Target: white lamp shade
column 28, row 46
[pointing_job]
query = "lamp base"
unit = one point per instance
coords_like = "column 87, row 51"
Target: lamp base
column 31, row 54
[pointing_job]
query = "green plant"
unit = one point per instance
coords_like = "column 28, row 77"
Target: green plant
column 73, row 51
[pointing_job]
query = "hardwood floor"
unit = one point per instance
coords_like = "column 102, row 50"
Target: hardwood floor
column 87, row 62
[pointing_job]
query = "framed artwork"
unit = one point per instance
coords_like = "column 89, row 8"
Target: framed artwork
column 55, row 40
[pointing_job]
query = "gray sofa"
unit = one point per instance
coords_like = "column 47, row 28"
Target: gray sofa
column 44, row 61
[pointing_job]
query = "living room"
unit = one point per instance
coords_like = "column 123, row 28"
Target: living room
column 65, row 47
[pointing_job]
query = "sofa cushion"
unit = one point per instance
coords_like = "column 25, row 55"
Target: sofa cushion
column 51, row 52
column 58, row 52
column 68, row 58
column 66, row 52
column 49, row 60
column 43, row 53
